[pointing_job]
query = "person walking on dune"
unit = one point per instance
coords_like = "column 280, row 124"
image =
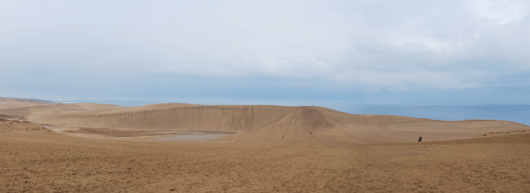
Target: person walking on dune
column 419, row 139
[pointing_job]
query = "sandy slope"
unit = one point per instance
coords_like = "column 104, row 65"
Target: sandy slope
column 342, row 154
column 255, row 124
column 40, row 161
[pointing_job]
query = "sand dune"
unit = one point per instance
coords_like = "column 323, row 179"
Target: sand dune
column 257, row 124
column 197, row 148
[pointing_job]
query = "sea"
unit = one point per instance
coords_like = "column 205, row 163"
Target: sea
column 506, row 112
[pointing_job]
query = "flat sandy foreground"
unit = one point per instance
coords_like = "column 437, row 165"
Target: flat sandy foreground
column 51, row 147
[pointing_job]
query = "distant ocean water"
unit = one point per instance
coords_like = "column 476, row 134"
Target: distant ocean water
column 514, row 113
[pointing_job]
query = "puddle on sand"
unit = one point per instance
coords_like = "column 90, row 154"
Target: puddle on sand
column 194, row 136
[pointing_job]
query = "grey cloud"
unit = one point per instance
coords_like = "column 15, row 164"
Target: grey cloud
column 387, row 44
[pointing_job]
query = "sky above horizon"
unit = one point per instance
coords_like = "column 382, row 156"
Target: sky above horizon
column 398, row 52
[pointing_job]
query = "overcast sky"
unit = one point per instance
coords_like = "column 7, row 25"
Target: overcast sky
column 406, row 52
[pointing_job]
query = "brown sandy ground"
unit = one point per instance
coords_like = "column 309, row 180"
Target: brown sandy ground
column 90, row 150
column 40, row 161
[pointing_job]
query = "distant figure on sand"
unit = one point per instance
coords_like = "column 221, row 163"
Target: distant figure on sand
column 419, row 139
column 311, row 133
column 282, row 135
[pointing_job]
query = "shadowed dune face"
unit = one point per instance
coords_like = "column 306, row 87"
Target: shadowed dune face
column 254, row 124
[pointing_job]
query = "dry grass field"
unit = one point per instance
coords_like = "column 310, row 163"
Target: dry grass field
column 194, row 148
